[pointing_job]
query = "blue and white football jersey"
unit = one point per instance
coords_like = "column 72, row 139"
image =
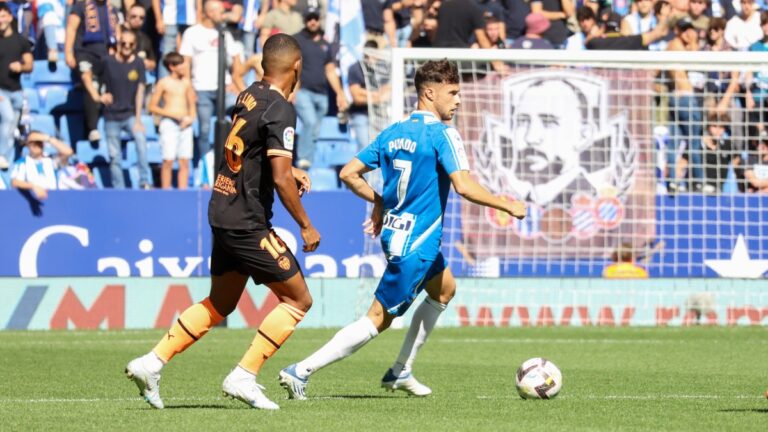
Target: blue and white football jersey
column 416, row 156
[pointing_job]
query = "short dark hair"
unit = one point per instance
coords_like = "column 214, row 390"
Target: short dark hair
column 763, row 17
column 4, row 8
column 279, row 53
column 715, row 118
column 172, row 59
column 436, row 72
column 585, row 13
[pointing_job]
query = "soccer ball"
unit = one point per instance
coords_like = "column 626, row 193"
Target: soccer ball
column 538, row 378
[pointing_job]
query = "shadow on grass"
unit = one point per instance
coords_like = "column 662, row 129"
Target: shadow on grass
column 745, row 410
column 202, row 406
column 358, row 396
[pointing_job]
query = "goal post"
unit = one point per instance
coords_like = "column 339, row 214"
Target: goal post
column 607, row 149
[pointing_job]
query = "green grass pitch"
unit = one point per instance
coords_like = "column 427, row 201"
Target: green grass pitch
column 615, row 379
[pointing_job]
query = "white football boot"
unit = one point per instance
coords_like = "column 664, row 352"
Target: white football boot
column 147, row 381
column 406, row 383
column 295, row 386
column 242, row 385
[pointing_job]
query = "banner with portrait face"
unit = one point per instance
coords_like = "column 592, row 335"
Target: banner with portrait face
column 576, row 146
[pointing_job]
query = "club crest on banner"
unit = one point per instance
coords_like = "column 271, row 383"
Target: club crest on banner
column 555, row 146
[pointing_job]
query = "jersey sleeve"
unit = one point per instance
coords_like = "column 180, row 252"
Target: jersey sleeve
column 450, row 151
column 280, row 122
column 19, row 170
column 369, row 156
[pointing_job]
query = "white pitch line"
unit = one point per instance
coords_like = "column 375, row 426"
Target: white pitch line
column 558, row 341
column 94, row 400
column 639, row 397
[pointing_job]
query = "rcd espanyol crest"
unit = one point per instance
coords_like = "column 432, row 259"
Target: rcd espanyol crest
column 556, row 147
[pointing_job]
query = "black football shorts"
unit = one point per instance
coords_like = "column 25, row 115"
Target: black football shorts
column 261, row 254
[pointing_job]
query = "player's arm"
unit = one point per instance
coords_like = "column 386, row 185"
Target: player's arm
column 472, row 191
column 285, row 184
column 352, row 176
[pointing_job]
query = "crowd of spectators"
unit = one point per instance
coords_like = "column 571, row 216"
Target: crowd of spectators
column 134, row 60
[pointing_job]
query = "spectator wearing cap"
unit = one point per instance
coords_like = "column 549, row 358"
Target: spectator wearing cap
column 686, row 103
column 536, row 25
column 494, row 9
column 743, row 30
column 37, row 172
column 283, row 18
column 587, row 24
column 15, row 59
column 607, row 35
column 318, row 71
column 379, row 22
column 557, row 12
column 640, row 21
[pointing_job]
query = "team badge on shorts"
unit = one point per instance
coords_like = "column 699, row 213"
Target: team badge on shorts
column 284, row 263
column 288, row 135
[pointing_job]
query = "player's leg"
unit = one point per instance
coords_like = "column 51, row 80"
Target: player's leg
column 269, row 261
column 344, row 343
column 398, row 287
column 440, row 290
column 227, row 285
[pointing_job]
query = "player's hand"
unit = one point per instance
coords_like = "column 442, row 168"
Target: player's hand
column 517, row 209
column 14, row 67
column 160, row 27
column 341, row 102
column 372, row 226
column 303, row 182
column 311, row 239
column 106, row 99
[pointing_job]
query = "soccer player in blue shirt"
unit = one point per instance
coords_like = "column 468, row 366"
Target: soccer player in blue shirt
column 419, row 157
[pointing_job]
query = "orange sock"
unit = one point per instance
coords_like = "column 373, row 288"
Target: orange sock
column 192, row 324
column 273, row 332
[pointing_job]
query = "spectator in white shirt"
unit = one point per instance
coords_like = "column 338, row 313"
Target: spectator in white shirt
column 744, row 29
column 199, row 46
column 37, row 172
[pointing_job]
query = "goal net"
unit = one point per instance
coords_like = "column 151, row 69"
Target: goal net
column 643, row 154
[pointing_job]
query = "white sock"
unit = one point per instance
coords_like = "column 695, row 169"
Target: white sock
column 238, row 373
column 345, row 342
column 422, row 323
column 152, row 362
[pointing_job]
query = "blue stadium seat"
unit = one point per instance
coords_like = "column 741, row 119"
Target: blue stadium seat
column 43, row 123
column 46, row 73
column 53, row 97
column 72, row 128
column 154, row 152
column 330, row 130
column 149, row 128
column 323, row 179
column 33, row 100
column 333, row 153
column 91, row 156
